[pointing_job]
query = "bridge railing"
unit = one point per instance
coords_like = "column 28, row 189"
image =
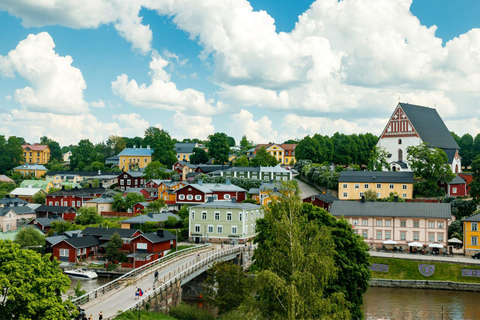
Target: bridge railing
column 185, row 270
column 130, row 276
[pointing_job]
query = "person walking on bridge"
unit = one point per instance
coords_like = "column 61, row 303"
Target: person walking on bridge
column 100, row 316
column 156, row 275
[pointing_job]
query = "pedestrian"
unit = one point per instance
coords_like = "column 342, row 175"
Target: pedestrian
column 141, row 293
column 91, row 317
column 222, row 245
column 84, row 316
column 136, row 293
column 100, row 316
column 156, row 275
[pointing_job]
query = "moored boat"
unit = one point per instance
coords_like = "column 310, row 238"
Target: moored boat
column 81, row 274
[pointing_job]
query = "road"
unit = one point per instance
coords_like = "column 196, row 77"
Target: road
column 438, row 258
column 306, row 190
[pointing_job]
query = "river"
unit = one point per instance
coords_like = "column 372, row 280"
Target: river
column 397, row 303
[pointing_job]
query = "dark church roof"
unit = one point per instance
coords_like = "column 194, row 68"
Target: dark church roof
column 429, row 126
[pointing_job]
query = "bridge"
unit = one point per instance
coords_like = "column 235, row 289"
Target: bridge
column 174, row 270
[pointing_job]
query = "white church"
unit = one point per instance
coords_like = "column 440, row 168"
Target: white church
column 412, row 125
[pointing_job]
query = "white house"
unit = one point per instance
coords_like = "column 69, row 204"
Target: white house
column 412, row 125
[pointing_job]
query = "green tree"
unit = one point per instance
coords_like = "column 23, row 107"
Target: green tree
column 466, row 149
column 218, row 148
column 309, row 149
column 61, row 226
column 264, row 159
column 30, row 237
column 241, row 161
column 55, row 151
column 11, row 153
column 475, row 184
column 455, row 230
column 87, row 216
column 32, row 286
column 156, row 170
column 378, row 160
column 430, row 165
column 162, row 144
column 83, row 155
column 117, row 144
column 6, row 188
column 132, row 199
column 156, row 206
column 231, row 141
column 119, row 204
column 183, row 212
column 297, row 262
column 199, row 156
column 113, row 249
column 95, row 183
column 226, row 286
column 39, row 197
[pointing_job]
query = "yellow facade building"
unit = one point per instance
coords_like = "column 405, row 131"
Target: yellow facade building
column 36, row 153
column 134, row 158
column 31, row 170
column 471, row 234
column 284, row 153
column 352, row 185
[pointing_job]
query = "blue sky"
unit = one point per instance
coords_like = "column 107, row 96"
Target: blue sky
column 271, row 70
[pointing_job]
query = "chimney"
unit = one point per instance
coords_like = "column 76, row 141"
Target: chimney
column 234, row 200
column 200, row 182
column 160, row 233
column 227, row 182
column 7, row 196
column 395, row 198
column 363, row 199
column 76, row 188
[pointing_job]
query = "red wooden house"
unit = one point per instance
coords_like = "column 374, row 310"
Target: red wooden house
column 104, row 235
column 45, row 224
column 199, row 193
column 149, row 247
column 137, row 208
column 130, row 179
column 71, row 249
column 468, row 178
column 321, row 200
column 456, row 188
column 75, row 197
column 65, row 212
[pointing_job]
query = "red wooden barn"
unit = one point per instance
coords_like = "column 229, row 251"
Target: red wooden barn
column 71, row 249
column 149, row 247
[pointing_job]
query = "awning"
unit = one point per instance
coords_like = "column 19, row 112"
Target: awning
column 415, row 244
column 455, row 240
column 389, row 242
column 436, row 245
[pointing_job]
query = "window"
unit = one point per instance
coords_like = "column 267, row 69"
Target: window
column 379, row 186
column 404, row 187
column 364, row 222
column 240, row 216
column 189, row 197
column 454, row 190
column 234, row 229
column 345, row 194
column 365, row 234
column 198, row 197
column 379, row 235
column 391, row 186
column 399, row 141
column 129, row 181
column 388, row 223
column 193, row 215
column 63, row 252
column 365, row 185
column 431, row 237
column 403, row 235
column 56, row 203
column 345, row 186
column 379, row 195
column 403, row 223
column 226, row 196
column 379, row 223
column 355, row 222
column 142, row 246
column 416, row 224
column 265, row 178
column 415, row 236
column 7, row 228
column 440, row 237
column 474, row 226
column 121, row 182
column 197, row 228
column 357, row 186
column 431, row 224
column 219, row 229
column 400, row 155
column 440, row 225
column 210, row 229
column 229, row 216
column 181, row 197
column 355, row 231
column 404, row 195
column 217, row 216
column 246, row 229
column 387, row 235
column 204, row 216
column 474, row 241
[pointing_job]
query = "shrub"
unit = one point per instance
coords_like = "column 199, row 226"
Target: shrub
column 186, row 312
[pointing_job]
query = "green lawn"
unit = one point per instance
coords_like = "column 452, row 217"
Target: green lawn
column 402, row 269
column 144, row 315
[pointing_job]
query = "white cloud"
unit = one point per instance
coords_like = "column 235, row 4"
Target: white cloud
column 199, row 127
column 163, row 94
column 259, row 131
column 123, row 14
column 56, row 86
column 98, row 104
column 134, row 125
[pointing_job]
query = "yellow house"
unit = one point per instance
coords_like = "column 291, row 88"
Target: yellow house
column 134, row 158
column 284, row 153
column 45, row 185
column 471, row 234
column 185, row 149
column 352, row 185
column 36, row 153
column 31, row 170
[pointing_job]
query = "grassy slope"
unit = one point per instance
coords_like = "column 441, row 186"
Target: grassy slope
column 144, row 315
column 402, row 269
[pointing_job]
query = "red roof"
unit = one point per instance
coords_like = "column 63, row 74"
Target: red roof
column 34, row 147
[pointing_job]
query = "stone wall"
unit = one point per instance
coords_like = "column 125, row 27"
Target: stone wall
column 425, row 284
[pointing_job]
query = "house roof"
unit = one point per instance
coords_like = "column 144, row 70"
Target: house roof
column 55, row 239
column 79, row 191
column 31, row 167
column 25, row 191
column 376, row 176
column 42, row 184
column 429, row 126
column 186, row 163
column 101, row 200
column 100, row 232
column 54, row 209
column 327, row 198
column 18, row 210
column 83, row 242
column 47, row 222
column 212, row 187
column 154, row 238
column 391, row 209
column 458, row 180
column 474, row 218
column 134, row 174
column 157, row 217
column 133, row 190
column 4, row 178
column 228, row 205
column 12, row 200
column 35, row 147
column 254, row 191
column 82, row 173
column 136, row 152
column 207, row 168
column 185, row 147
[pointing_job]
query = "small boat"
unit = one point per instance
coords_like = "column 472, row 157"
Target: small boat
column 81, row 274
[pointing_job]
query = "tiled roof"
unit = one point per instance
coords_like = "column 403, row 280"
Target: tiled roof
column 228, row 205
column 54, row 209
column 157, row 217
column 34, row 147
column 136, row 152
column 429, row 126
column 376, row 176
column 391, row 209
column 4, row 178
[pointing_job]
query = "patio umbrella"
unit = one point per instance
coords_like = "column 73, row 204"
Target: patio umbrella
column 455, row 240
column 389, row 242
column 436, row 245
column 415, row 244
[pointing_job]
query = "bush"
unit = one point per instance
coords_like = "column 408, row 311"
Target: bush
column 186, row 312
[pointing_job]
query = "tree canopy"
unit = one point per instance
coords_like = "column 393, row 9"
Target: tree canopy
column 156, row 170
column 30, row 237
column 218, row 148
column 264, row 159
column 83, row 155
column 199, row 156
column 87, row 216
column 162, row 144
column 475, row 184
column 11, row 153
column 55, row 151
column 32, row 286
column 113, row 248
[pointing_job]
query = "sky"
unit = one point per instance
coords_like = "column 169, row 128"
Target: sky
column 270, row 70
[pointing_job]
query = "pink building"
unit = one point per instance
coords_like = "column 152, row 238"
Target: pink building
column 400, row 222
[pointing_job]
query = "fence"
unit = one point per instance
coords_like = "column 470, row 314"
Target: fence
column 113, row 214
column 115, row 284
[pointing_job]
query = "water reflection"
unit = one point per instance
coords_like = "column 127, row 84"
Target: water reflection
column 397, row 303
column 88, row 285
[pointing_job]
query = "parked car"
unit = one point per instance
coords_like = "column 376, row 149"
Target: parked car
column 476, row 255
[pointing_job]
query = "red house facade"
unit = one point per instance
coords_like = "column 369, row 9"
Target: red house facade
column 456, row 188
column 45, row 224
column 130, row 179
column 149, row 247
column 199, row 193
column 468, row 179
column 104, row 235
column 321, row 200
column 67, row 213
column 72, row 249
column 73, row 197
